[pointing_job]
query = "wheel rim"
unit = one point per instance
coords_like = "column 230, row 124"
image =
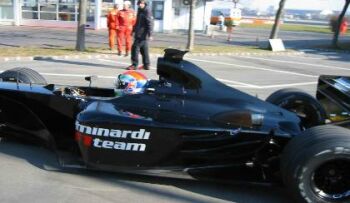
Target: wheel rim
column 307, row 113
column 331, row 180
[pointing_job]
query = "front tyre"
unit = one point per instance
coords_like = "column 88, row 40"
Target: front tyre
column 320, row 171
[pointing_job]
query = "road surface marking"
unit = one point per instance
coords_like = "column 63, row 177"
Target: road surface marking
column 287, row 85
column 244, row 85
column 236, row 83
column 308, row 50
column 253, row 67
column 308, row 57
column 122, row 63
column 294, row 62
column 230, row 83
column 77, row 75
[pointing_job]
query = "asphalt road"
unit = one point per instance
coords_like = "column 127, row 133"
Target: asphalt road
column 23, row 36
column 31, row 174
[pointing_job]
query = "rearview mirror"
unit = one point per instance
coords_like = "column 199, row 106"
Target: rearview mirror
column 90, row 79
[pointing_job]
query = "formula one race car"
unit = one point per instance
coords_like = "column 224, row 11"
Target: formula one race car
column 188, row 124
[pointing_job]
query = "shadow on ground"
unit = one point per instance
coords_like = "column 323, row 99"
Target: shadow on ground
column 87, row 64
column 186, row 190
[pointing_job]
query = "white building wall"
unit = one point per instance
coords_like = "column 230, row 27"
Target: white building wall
column 17, row 12
column 175, row 17
column 181, row 21
column 98, row 17
column 168, row 16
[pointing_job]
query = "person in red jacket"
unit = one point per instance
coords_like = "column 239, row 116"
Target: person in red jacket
column 126, row 21
column 112, row 26
column 343, row 26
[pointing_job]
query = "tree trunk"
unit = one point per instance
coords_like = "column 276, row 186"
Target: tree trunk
column 80, row 43
column 340, row 19
column 190, row 39
column 276, row 26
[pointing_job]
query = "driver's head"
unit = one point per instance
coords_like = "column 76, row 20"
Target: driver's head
column 131, row 82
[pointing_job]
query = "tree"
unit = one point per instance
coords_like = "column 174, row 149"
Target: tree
column 190, row 38
column 276, row 26
column 80, row 43
column 339, row 21
column 235, row 2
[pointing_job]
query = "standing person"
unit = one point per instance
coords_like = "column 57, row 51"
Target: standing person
column 221, row 21
column 230, row 24
column 142, row 33
column 112, row 26
column 126, row 20
column 343, row 26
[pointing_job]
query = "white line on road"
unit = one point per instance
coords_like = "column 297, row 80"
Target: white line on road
column 287, row 85
column 236, row 83
column 294, row 62
column 112, row 61
column 122, row 63
column 231, row 82
column 307, row 50
column 245, row 85
column 77, row 75
column 253, row 67
column 307, row 57
column 328, row 53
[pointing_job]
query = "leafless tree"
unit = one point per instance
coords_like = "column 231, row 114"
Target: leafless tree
column 340, row 19
column 191, row 35
column 80, row 43
column 276, row 25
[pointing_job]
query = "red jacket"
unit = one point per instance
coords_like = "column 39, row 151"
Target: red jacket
column 112, row 19
column 343, row 27
column 126, row 19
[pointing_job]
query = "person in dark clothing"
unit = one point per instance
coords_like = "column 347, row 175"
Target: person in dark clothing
column 142, row 34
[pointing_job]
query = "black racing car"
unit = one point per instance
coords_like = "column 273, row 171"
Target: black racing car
column 189, row 125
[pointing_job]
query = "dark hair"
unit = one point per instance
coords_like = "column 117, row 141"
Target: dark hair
column 141, row 1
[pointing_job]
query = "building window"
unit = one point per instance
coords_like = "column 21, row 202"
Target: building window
column 107, row 6
column 157, row 9
column 30, row 9
column 90, row 11
column 67, row 10
column 6, row 9
column 61, row 10
column 48, row 9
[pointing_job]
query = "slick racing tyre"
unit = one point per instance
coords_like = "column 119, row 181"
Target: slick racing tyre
column 22, row 75
column 307, row 108
column 315, row 165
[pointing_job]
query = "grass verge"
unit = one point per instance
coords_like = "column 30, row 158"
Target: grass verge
column 294, row 27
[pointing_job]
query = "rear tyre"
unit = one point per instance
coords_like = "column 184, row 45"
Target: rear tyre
column 315, row 165
column 308, row 109
column 22, row 75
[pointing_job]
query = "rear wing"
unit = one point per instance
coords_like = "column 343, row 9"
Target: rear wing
column 333, row 92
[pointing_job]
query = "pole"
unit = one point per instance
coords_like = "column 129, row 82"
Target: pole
column 80, row 43
column 276, row 25
column 340, row 19
column 190, row 40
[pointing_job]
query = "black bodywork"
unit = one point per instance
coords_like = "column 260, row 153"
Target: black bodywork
column 333, row 93
column 186, row 124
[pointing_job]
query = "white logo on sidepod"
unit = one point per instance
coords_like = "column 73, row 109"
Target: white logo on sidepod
column 100, row 133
